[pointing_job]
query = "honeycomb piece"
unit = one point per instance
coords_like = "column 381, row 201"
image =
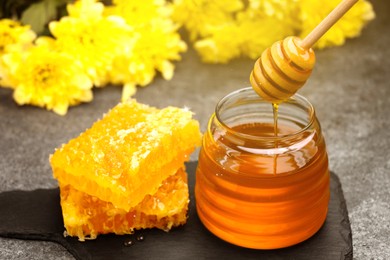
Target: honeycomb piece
column 86, row 216
column 128, row 153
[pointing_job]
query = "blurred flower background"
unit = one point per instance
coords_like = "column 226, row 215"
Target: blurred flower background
column 54, row 52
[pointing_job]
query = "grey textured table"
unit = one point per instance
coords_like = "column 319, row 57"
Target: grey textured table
column 349, row 88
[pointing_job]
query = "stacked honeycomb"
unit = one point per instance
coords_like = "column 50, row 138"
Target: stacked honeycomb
column 127, row 171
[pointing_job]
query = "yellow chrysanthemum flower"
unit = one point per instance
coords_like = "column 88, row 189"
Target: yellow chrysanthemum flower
column 95, row 42
column 51, row 79
column 349, row 26
column 257, row 35
column 248, row 34
column 282, row 11
column 86, row 9
column 211, row 26
column 14, row 37
column 222, row 45
column 157, row 44
column 263, row 23
column 201, row 17
column 154, row 49
column 140, row 13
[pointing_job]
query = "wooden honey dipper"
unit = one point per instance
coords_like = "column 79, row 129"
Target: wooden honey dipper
column 284, row 67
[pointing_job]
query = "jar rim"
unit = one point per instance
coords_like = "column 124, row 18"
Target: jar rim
column 297, row 98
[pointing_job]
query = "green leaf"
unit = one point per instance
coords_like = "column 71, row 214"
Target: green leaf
column 38, row 15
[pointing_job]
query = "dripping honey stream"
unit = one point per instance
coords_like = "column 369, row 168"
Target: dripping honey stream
column 275, row 108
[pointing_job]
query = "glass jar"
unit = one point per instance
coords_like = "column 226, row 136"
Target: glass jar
column 256, row 189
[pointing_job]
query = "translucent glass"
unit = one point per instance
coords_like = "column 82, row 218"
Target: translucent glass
column 258, row 190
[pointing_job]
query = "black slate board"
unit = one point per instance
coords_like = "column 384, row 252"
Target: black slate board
column 36, row 215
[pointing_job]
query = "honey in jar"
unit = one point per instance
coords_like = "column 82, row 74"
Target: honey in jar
column 256, row 189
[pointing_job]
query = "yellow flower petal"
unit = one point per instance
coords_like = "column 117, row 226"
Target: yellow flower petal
column 167, row 69
column 128, row 90
column 221, row 46
column 86, row 9
column 199, row 16
column 21, row 96
column 61, row 108
column 14, row 36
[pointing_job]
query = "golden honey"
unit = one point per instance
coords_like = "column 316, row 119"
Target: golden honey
column 258, row 190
